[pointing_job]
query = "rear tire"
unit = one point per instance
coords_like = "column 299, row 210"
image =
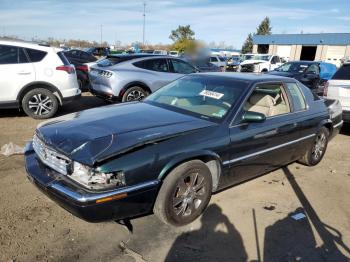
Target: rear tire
column 134, row 93
column 40, row 103
column 185, row 194
column 315, row 154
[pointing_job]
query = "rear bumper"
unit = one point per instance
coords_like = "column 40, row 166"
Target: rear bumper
column 91, row 206
column 103, row 92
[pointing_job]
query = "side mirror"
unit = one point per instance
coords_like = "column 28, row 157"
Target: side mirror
column 253, row 117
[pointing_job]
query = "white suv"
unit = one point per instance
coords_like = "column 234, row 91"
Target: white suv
column 36, row 78
column 339, row 88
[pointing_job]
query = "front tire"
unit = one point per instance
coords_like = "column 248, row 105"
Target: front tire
column 185, row 194
column 134, row 93
column 315, row 154
column 40, row 103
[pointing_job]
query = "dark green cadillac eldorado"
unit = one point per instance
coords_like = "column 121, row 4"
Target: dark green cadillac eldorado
column 169, row 153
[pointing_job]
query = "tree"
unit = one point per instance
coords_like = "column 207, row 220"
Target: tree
column 248, row 44
column 182, row 33
column 264, row 28
column 183, row 38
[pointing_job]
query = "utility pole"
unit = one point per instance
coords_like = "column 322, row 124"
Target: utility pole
column 101, row 34
column 144, row 23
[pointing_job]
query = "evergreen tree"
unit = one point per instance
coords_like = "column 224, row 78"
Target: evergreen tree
column 248, row 45
column 264, row 28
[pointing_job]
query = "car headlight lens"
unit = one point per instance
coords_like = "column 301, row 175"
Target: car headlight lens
column 92, row 178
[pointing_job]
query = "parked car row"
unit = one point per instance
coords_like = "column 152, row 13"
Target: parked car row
column 39, row 79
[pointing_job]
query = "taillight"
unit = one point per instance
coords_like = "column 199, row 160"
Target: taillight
column 325, row 89
column 67, row 68
column 84, row 68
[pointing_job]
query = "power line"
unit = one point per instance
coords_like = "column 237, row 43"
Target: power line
column 144, row 23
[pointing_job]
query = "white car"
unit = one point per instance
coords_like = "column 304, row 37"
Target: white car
column 160, row 52
column 259, row 63
column 219, row 61
column 339, row 88
column 36, row 78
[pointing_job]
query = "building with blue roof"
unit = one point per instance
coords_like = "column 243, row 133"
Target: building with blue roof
column 329, row 47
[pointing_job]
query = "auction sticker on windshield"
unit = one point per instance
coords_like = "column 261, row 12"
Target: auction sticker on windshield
column 211, row 94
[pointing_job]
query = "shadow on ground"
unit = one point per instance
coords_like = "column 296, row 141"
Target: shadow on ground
column 86, row 101
column 293, row 240
column 216, row 240
column 287, row 239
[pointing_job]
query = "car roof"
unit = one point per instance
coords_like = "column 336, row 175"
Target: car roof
column 253, row 77
column 32, row 45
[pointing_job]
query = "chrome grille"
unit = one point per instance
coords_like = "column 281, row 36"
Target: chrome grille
column 51, row 158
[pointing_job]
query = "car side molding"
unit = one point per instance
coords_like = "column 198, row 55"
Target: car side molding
column 267, row 150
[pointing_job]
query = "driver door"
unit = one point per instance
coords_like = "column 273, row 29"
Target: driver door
column 258, row 147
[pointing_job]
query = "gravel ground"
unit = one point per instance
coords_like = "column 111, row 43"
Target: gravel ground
column 250, row 222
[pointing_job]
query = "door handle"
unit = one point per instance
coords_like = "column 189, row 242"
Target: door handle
column 24, row 72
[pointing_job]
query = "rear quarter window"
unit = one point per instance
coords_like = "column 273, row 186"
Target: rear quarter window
column 159, row 65
column 35, row 55
column 298, row 99
column 343, row 73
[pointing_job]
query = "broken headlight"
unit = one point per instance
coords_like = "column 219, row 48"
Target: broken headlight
column 92, row 178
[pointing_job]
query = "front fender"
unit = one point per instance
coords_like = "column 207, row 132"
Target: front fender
column 204, row 155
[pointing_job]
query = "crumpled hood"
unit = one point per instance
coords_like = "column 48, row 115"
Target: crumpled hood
column 248, row 62
column 94, row 135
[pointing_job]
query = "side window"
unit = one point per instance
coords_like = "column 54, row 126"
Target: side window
column 343, row 73
column 35, row 55
column 8, row 54
column 85, row 56
column 268, row 99
column 159, row 65
column 275, row 60
column 213, row 59
column 313, row 69
column 182, row 67
column 298, row 98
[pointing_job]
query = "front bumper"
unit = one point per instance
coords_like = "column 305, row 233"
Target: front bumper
column 91, row 206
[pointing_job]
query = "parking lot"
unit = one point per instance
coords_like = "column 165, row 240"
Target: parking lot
column 249, row 222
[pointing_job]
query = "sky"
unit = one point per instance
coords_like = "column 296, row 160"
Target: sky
column 121, row 20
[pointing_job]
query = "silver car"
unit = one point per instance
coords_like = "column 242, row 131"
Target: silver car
column 133, row 77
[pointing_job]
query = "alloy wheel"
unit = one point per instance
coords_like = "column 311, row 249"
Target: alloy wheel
column 40, row 104
column 319, row 147
column 135, row 95
column 190, row 193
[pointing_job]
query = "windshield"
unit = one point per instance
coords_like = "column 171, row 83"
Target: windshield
column 256, row 57
column 204, row 96
column 173, row 52
column 293, row 67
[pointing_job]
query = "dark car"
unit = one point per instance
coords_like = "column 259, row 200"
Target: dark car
column 203, row 65
column 310, row 73
column 168, row 154
column 98, row 51
column 233, row 63
column 78, row 58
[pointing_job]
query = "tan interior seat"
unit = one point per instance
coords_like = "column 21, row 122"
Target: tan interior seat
column 260, row 103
